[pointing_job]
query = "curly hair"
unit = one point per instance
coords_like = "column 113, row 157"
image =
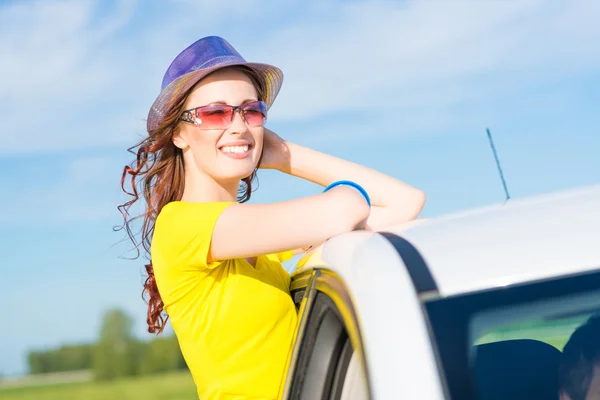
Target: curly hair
column 158, row 172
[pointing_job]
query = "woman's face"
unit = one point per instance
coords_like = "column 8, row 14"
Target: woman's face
column 224, row 155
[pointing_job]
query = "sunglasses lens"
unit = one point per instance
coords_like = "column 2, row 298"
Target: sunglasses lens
column 255, row 113
column 218, row 116
column 214, row 116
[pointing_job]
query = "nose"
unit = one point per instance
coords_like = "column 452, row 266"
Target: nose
column 238, row 125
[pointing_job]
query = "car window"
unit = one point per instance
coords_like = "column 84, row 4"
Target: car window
column 553, row 330
column 355, row 386
column 326, row 366
column 509, row 342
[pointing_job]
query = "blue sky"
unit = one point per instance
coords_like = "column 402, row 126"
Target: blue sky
column 406, row 87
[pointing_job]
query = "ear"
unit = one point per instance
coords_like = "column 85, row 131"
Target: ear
column 179, row 140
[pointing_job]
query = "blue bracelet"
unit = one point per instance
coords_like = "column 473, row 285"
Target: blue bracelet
column 352, row 184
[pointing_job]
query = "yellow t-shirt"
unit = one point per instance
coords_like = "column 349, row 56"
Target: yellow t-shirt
column 234, row 322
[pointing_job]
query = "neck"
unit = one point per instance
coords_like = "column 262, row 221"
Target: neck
column 200, row 188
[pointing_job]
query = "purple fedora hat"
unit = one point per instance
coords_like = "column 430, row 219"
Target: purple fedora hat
column 197, row 61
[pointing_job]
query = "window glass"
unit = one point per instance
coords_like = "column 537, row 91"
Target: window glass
column 555, row 331
column 327, row 367
column 355, row 384
column 512, row 342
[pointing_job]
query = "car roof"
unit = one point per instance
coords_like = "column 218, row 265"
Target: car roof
column 521, row 241
column 536, row 238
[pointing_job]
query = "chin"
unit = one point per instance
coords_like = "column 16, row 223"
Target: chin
column 231, row 168
column 237, row 173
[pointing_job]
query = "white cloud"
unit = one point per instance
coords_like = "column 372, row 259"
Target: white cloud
column 60, row 73
column 84, row 189
column 84, row 82
column 52, row 47
column 383, row 52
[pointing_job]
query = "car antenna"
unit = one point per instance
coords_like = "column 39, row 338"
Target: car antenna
column 498, row 164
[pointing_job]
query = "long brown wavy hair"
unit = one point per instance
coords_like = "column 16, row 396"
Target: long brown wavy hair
column 158, row 171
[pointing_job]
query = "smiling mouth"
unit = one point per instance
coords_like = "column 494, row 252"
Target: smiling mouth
column 236, row 149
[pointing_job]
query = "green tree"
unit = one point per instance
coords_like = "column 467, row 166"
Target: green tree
column 161, row 355
column 117, row 352
column 73, row 357
column 65, row 358
column 38, row 363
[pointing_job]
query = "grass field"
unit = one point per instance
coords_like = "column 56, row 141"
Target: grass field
column 179, row 385
column 172, row 386
column 556, row 333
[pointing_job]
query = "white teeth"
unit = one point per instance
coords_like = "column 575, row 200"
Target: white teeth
column 235, row 149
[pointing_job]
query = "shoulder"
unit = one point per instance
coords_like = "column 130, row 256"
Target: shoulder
column 178, row 222
column 176, row 209
column 178, row 214
column 183, row 231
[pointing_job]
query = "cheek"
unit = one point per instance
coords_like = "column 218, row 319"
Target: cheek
column 200, row 143
column 258, row 136
column 203, row 147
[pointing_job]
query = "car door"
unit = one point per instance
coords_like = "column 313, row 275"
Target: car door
column 326, row 361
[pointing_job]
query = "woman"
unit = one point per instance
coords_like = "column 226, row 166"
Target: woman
column 216, row 263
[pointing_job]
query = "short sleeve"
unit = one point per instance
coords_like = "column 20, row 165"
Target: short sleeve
column 285, row 256
column 183, row 233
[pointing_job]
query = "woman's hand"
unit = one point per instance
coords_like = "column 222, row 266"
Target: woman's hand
column 276, row 154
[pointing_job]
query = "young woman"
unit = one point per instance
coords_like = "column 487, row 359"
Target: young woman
column 215, row 265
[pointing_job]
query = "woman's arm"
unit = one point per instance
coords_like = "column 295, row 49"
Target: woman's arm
column 393, row 201
column 249, row 230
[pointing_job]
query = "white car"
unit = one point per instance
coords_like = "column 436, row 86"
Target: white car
column 475, row 305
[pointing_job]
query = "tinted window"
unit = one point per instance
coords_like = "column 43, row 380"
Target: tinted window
column 507, row 343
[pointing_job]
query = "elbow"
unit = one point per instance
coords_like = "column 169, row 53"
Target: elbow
column 419, row 202
column 414, row 205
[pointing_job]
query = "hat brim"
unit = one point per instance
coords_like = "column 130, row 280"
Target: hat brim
column 270, row 77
